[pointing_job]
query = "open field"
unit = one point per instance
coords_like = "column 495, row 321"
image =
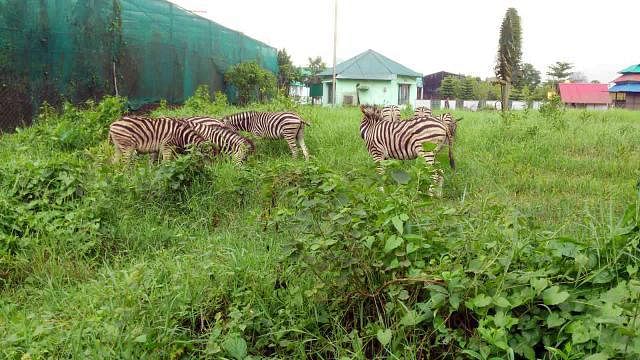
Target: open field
column 531, row 253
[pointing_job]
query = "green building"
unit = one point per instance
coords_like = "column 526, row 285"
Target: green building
column 371, row 78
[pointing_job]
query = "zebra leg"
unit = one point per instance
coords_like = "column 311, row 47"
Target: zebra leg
column 153, row 157
column 116, row 156
column 167, row 152
column 291, row 141
column 435, row 189
column 300, row 138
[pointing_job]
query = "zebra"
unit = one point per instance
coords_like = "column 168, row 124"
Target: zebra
column 145, row 135
column 391, row 113
column 422, row 111
column 403, row 140
column 222, row 136
column 272, row 125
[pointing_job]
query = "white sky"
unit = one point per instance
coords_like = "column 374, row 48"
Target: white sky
column 460, row 36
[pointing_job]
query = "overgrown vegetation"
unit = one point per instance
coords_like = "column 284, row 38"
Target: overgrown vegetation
column 252, row 82
column 532, row 253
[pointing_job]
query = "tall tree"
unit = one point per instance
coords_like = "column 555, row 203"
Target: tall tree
column 527, row 76
column 468, row 85
column 447, row 87
column 560, row 71
column 509, row 53
column 287, row 72
column 316, row 66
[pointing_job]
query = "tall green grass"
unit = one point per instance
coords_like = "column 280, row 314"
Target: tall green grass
column 532, row 252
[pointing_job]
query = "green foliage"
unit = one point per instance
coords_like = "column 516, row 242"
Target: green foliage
column 197, row 258
column 200, row 100
column 560, row 71
column 509, row 53
column 553, row 111
column 448, row 87
column 467, row 86
column 252, row 82
column 315, row 67
column 287, row 72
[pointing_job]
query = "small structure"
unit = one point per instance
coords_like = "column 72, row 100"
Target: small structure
column 585, row 95
column 370, row 78
column 626, row 91
column 431, row 84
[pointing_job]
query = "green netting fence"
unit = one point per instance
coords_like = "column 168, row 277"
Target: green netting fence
column 145, row 50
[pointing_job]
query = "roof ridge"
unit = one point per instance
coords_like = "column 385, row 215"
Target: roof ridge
column 377, row 56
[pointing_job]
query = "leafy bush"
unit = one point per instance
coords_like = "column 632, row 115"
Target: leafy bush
column 553, row 111
column 252, row 82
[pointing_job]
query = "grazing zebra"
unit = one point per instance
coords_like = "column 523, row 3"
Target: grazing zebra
column 391, row 113
column 272, row 125
column 403, row 140
column 222, row 136
column 146, row 135
column 422, row 111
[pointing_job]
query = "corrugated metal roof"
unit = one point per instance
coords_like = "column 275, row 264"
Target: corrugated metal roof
column 370, row 65
column 584, row 93
column 634, row 88
column 633, row 69
column 627, row 78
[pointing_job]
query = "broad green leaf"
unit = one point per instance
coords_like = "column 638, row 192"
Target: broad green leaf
column 553, row 296
column 411, row 318
column 501, row 302
column 554, row 320
column 392, row 243
column 141, row 339
column 411, row 248
column 603, row 277
column 236, row 347
column 539, row 284
column 384, row 336
column 400, row 176
column 398, row 224
column 581, row 332
column 481, row 300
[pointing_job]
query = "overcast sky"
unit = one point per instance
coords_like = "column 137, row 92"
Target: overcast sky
column 598, row 37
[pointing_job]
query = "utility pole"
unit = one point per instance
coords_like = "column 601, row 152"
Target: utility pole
column 335, row 40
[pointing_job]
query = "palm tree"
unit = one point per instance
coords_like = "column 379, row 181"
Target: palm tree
column 509, row 53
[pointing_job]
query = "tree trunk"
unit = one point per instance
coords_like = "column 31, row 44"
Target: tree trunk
column 505, row 96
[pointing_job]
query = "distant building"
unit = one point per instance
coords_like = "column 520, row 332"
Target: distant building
column 626, row 91
column 370, row 78
column 431, row 84
column 585, row 95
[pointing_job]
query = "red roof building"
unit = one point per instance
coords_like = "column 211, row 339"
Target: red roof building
column 589, row 96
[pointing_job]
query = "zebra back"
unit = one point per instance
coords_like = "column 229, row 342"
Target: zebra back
column 146, row 135
column 204, row 120
column 391, row 113
column 267, row 124
column 421, row 111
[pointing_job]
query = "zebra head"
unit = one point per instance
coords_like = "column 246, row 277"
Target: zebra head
column 448, row 120
column 372, row 114
column 240, row 121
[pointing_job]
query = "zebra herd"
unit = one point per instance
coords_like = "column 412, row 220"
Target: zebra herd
column 386, row 134
column 168, row 135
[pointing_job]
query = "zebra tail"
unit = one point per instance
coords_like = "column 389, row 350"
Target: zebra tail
column 452, row 161
column 305, row 122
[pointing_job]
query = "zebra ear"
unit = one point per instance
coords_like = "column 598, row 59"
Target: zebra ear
column 458, row 120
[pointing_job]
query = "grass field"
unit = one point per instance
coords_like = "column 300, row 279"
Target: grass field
column 531, row 253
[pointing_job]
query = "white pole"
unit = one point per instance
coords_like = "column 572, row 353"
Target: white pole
column 335, row 40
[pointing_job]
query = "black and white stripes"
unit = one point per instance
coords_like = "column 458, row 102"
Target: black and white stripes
column 144, row 135
column 402, row 139
column 272, row 125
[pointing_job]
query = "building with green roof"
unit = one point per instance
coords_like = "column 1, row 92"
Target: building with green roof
column 371, row 78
